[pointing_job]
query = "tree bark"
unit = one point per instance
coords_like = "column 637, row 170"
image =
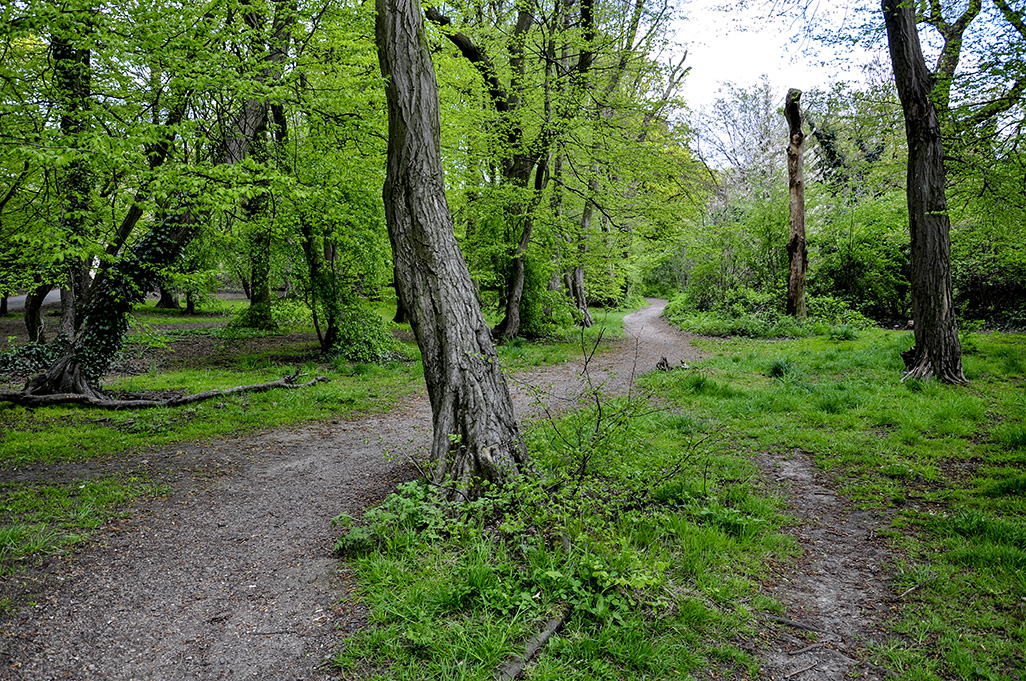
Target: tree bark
column 476, row 438
column 33, row 313
column 937, row 350
column 73, row 82
column 797, row 252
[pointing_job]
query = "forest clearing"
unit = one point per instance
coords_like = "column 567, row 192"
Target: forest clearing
column 385, row 341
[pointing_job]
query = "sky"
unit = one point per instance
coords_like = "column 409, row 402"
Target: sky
column 739, row 47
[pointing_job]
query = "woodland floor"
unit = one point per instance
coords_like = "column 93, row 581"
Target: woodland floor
column 233, row 575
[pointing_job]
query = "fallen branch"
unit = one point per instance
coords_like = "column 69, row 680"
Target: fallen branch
column 799, row 671
column 29, row 400
column 516, row 667
column 917, row 587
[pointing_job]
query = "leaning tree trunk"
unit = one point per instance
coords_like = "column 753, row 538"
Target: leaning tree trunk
column 937, row 351
column 476, row 437
column 797, row 252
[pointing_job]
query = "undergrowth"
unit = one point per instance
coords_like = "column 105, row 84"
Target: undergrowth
column 638, row 529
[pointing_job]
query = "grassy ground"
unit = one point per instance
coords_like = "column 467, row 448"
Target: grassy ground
column 654, row 536
column 950, row 462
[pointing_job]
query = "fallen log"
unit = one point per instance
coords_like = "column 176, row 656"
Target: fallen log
column 26, row 399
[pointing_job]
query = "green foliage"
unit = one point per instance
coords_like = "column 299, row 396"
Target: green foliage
column 31, row 358
column 633, row 567
column 364, row 336
column 745, row 312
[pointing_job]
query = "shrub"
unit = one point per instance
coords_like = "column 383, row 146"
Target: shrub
column 364, row 336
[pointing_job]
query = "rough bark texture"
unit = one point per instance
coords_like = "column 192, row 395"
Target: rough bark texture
column 937, row 349
column 475, row 436
column 797, row 252
column 72, row 78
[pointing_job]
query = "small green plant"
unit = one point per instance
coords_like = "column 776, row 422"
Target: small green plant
column 781, row 367
column 968, row 331
column 843, row 332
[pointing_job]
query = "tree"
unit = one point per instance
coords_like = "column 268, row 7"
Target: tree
column 937, row 350
column 132, row 268
column 476, row 438
column 797, row 252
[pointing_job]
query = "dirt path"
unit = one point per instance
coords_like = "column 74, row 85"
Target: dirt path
column 233, row 575
column 836, row 594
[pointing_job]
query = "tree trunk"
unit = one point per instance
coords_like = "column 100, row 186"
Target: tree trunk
column 937, row 351
column 3, row 306
column 400, row 311
column 33, row 313
column 66, row 328
column 258, row 316
column 168, row 299
column 476, row 438
column 797, row 253
column 72, row 80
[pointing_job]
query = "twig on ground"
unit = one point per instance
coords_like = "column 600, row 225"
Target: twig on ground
column 797, row 625
column 799, row 671
column 918, row 586
column 806, row 649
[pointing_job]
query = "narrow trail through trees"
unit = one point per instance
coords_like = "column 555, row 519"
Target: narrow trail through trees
column 233, row 575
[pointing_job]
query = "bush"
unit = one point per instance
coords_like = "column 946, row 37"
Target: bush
column 364, row 336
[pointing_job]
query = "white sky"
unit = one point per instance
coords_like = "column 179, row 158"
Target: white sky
column 739, row 47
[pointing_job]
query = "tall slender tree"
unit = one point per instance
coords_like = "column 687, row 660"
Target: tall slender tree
column 937, row 351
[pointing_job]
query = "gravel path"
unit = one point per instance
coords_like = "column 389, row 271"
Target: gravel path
column 233, row 576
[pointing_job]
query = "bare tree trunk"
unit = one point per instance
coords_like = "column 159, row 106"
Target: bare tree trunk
column 937, row 351
column 476, row 437
column 797, row 252
column 3, row 306
column 66, row 328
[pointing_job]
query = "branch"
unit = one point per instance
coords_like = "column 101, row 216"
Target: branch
column 24, row 399
column 476, row 56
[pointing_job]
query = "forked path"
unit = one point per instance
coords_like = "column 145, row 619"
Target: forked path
column 233, row 575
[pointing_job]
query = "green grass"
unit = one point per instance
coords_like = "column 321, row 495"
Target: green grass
column 657, row 580
column 651, row 531
column 38, row 519
column 71, row 434
column 949, row 461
